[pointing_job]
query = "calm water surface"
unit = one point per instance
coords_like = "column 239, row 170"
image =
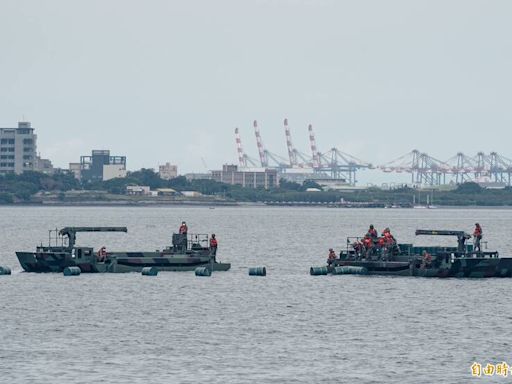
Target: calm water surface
column 288, row 327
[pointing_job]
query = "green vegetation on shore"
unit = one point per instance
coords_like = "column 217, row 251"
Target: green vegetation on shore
column 21, row 188
column 30, row 186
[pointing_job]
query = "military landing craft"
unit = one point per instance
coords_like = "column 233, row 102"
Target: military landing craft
column 186, row 253
column 427, row 261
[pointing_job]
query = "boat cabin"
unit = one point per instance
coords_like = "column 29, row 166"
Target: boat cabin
column 190, row 243
column 62, row 243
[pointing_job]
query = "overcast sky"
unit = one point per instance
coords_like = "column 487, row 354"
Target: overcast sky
column 162, row 80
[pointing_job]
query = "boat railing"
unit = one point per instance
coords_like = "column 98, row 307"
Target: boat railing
column 198, row 241
column 56, row 239
column 70, row 232
column 190, row 241
column 483, row 254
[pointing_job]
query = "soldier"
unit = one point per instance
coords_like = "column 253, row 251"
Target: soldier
column 372, row 232
column 213, row 245
column 331, row 257
column 388, row 244
column 388, row 237
column 183, row 228
column 358, row 248
column 426, row 260
column 368, row 245
column 102, row 254
column 477, row 237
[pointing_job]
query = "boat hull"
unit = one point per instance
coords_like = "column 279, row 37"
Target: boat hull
column 122, row 264
column 469, row 268
column 118, row 262
column 459, row 267
column 41, row 262
column 387, row 268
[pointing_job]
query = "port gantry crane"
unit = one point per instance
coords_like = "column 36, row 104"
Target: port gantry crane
column 334, row 163
column 243, row 160
column 427, row 170
column 294, row 154
column 424, row 169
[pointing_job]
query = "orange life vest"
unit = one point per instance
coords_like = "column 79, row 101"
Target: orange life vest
column 102, row 254
column 389, row 238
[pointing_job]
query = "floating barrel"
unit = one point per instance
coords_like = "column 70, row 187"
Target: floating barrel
column 72, row 271
column 5, row 270
column 203, row 271
column 149, row 271
column 350, row 270
column 258, row 271
column 317, row 271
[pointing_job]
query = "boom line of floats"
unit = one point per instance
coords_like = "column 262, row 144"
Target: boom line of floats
column 153, row 271
column 367, row 255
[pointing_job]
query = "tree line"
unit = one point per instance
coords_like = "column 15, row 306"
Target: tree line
column 22, row 188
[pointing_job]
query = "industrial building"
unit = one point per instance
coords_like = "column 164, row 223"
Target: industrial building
column 168, row 171
column 247, row 177
column 99, row 166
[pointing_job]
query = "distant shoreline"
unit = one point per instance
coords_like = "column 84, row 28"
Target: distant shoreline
column 121, row 204
column 221, row 204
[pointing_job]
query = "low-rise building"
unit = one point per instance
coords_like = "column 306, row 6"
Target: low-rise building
column 75, row 169
column 44, row 166
column 168, row 171
column 166, row 192
column 198, row 176
column 191, row 193
column 138, row 190
column 247, row 177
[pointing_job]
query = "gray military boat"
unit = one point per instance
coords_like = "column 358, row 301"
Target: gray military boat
column 425, row 261
column 186, row 253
